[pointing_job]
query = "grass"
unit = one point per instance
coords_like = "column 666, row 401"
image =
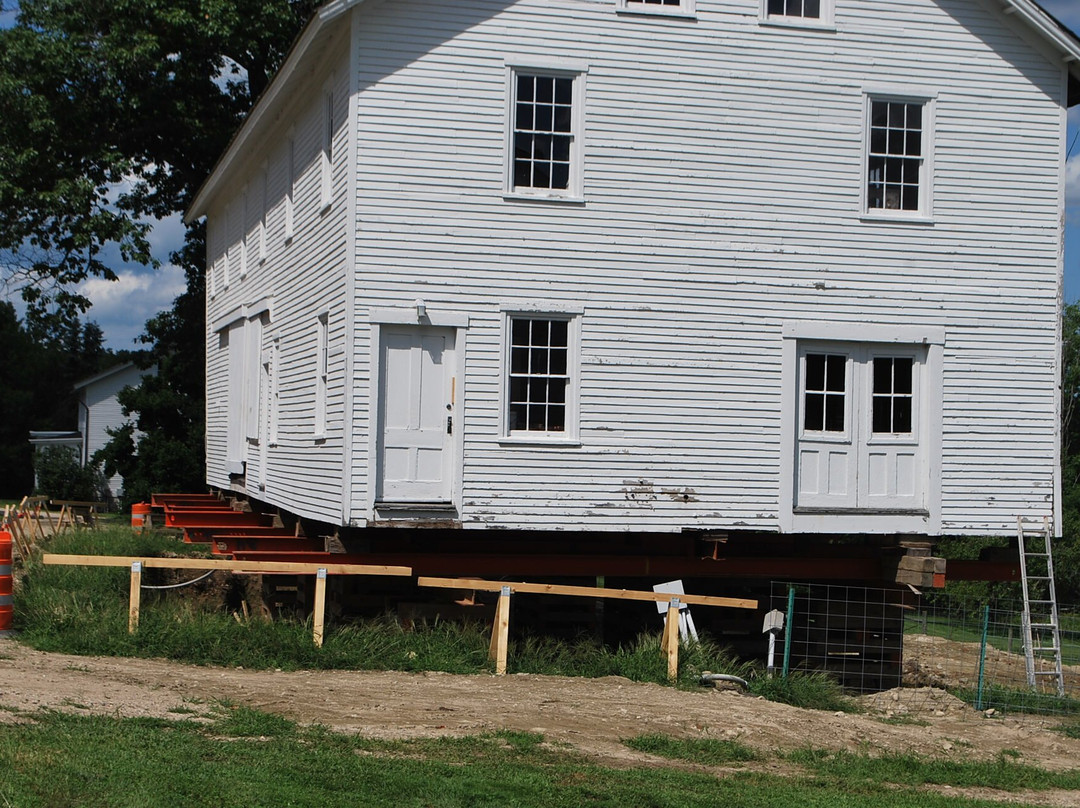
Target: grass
column 1003, row 772
column 1014, row 700
column 56, row 761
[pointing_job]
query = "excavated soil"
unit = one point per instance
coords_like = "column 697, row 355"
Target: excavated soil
column 591, row 715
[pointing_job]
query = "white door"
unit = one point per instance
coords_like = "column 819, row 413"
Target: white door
column 860, row 444
column 416, row 415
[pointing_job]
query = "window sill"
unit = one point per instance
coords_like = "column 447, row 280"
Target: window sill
column 659, row 11
column 539, row 440
column 799, row 24
column 558, row 200
column 896, row 218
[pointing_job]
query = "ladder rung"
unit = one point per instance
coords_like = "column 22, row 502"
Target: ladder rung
column 1044, row 625
column 1047, row 673
column 1036, row 555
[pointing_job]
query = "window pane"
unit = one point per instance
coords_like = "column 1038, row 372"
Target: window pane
column 517, row 416
column 519, row 360
column 545, row 89
column 556, row 418
column 542, row 147
column 814, row 418
column 914, row 143
column 557, row 391
column 538, row 391
column 560, row 175
column 834, row 413
column 882, row 375
column 541, row 175
column 563, row 119
column 914, row 116
column 525, row 88
column 902, row 414
column 545, row 118
column 882, row 414
column 519, row 331
column 911, row 198
column 564, row 91
column 540, row 330
column 537, row 418
column 815, row 372
column 879, row 113
column 812, row 8
column 837, row 367
column 524, row 118
column 558, row 362
column 519, row 390
column 560, row 330
column 539, row 361
column 902, row 374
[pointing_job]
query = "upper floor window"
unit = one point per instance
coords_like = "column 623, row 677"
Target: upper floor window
column 545, row 147
column 896, row 161
column 806, row 9
column 326, row 153
column 657, row 6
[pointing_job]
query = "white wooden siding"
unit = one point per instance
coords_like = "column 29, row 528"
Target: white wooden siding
column 723, row 170
column 105, row 413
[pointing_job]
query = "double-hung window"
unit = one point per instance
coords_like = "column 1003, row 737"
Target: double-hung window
column 540, row 398
column 677, row 7
column 897, row 175
column 798, row 12
column 545, row 133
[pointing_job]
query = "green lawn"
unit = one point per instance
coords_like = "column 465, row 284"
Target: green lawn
column 245, row 758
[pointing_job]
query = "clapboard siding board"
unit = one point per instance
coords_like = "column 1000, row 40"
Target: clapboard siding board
column 723, row 165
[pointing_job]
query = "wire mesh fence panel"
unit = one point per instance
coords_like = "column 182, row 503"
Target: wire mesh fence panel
column 878, row 639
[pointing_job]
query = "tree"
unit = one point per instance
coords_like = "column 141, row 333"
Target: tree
column 114, row 113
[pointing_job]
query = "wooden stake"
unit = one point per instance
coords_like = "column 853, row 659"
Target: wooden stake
column 136, row 594
column 670, row 641
column 320, row 605
column 500, row 632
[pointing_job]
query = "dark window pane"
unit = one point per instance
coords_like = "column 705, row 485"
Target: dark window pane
column 875, row 196
column 540, row 330
column 560, row 330
column 556, row 418
column 834, row 413
column 902, row 414
column 914, row 116
column 564, row 91
column 537, row 422
column 519, row 331
column 882, row 414
column 542, row 147
column 522, row 174
column 911, row 172
column 560, row 175
column 902, row 374
column 776, row 6
column 882, row 375
column 896, row 115
column 558, row 362
column 519, row 390
column 541, row 175
column 894, row 171
column 815, row 372
column 545, row 117
column 836, row 381
column 914, row 144
column 560, row 149
column 562, row 119
column 539, row 361
column 878, row 140
column 879, row 113
column 518, row 414
column 911, row 198
column 524, row 118
column 523, row 146
column 519, row 360
column 538, row 391
column 814, row 415
column 896, row 141
column 545, row 89
column 557, row 391
column 525, row 88
column 812, row 8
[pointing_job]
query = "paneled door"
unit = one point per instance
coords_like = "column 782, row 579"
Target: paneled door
column 416, row 414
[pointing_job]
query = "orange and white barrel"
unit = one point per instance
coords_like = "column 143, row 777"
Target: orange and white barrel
column 140, row 515
column 6, row 605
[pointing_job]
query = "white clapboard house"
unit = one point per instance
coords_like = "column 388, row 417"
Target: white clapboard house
column 788, row 266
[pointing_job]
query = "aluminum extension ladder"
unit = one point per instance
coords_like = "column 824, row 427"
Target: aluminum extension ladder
column 1041, row 628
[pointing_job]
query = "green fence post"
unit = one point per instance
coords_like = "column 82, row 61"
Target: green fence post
column 982, row 657
column 787, row 628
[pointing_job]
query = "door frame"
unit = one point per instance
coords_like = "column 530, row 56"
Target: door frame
column 873, row 336
column 407, row 317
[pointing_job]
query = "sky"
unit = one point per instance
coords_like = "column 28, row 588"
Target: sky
column 122, row 307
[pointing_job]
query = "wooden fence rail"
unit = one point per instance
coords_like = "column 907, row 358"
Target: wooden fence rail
column 500, row 632
column 136, row 565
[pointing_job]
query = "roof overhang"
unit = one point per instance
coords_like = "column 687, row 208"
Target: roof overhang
column 1053, row 31
column 310, row 38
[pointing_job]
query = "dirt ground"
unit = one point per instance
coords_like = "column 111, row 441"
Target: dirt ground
column 591, row 715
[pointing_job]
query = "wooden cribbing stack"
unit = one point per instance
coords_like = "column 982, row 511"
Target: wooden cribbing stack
column 500, row 631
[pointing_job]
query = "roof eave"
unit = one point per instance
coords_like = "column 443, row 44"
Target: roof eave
column 323, row 17
column 1057, row 35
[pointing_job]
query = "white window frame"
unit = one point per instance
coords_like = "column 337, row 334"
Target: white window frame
column 289, row 200
column 825, row 18
column 555, row 69
column 569, row 435
column 322, row 372
column 926, row 172
column 685, row 8
column 326, row 152
column 245, row 208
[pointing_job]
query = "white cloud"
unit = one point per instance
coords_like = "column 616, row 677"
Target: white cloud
column 123, row 306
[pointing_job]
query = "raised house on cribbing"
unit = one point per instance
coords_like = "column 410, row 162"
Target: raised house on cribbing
column 646, row 266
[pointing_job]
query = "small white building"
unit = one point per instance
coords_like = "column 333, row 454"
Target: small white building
column 647, row 265
column 99, row 410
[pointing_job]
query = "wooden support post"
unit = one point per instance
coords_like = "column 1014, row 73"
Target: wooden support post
column 136, row 594
column 320, row 606
column 670, row 640
column 500, row 632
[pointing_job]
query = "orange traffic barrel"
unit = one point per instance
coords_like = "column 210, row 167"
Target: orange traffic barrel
column 6, row 607
column 140, row 515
